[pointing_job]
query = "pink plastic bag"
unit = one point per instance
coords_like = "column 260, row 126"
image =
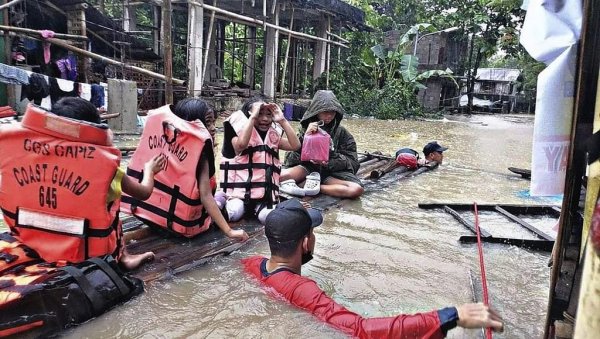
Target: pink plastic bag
column 315, row 147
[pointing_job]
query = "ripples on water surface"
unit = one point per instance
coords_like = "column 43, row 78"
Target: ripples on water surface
column 380, row 255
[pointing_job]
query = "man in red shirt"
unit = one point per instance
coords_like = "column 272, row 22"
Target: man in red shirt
column 289, row 230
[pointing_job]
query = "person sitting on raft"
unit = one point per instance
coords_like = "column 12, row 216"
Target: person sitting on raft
column 289, row 231
column 250, row 165
column 182, row 200
column 61, row 185
column 338, row 176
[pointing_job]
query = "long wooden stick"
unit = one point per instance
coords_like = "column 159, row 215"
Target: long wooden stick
column 38, row 34
column 210, row 29
column 267, row 24
column 287, row 53
column 167, row 50
column 9, row 4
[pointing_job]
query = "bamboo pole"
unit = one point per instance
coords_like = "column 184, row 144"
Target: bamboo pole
column 287, row 53
column 9, row 4
column 338, row 37
column 206, row 50
column 38, row 33
column 267, row 24
column 110, row 61
column 167, row 50
column 328, row 55
column 54, row 7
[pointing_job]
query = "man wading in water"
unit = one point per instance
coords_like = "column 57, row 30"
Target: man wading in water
column 289, row 230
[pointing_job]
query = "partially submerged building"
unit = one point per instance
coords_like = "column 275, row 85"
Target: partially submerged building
column 217, row 48
column 496, row 89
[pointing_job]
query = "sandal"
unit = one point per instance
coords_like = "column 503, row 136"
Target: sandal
column 290, row 187
column 312, row 186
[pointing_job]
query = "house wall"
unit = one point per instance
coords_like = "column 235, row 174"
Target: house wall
column 430, row 97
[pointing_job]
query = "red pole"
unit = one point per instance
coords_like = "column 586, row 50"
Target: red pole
column 486, row 301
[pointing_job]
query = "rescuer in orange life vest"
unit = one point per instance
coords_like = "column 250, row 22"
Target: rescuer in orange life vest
column 61, row 187
column 250, row 164
column 182, row 200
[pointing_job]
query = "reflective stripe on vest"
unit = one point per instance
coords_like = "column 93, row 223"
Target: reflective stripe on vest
column 54, row 188
column 175, row 201
column 253, row 175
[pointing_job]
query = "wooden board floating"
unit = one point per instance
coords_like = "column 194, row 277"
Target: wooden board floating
column 524, row 173
column 533, row 244
column 545, row 242
column 512, row 208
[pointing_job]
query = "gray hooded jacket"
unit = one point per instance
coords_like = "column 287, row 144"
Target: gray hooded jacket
column 343, row 157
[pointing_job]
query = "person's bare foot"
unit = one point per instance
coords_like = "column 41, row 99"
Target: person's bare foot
column 132, row 261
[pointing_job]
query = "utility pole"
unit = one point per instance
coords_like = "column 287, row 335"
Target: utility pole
column 167, row 50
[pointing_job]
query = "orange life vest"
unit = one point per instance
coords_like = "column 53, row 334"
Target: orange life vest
column 175, row 201
column 55, row 183
column 252, row 175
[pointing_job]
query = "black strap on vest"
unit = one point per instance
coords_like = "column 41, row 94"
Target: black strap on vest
column 90, row 292
column 165, row 214
column 270, row 169
column 114, row 276
column 593, row 146
column 172, row 191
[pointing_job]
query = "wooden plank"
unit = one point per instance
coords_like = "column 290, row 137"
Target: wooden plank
column 466, row 223
column 525, row 224
column 534, row 244
column 367, row 169
column 175, row 254
column 524, row 173
column 512, row 208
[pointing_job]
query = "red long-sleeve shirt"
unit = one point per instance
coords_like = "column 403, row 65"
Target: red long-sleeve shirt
column 305, row 293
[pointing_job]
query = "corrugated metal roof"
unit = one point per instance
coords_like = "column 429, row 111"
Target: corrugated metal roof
column 498, row 74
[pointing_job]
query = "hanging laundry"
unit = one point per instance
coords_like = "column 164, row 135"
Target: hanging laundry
column 37, row 89
column 64, row 66
column 85, row 91
column 57, row 92
column 46, row 34
column 97, row 95
column 72, row 73
column 13, row 75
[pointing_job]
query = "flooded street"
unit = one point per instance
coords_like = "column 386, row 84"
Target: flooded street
column 380, row 255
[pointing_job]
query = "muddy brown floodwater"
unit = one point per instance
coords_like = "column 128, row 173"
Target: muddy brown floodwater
column 380, row 255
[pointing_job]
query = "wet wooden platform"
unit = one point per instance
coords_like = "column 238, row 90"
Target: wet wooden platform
column 175, row 254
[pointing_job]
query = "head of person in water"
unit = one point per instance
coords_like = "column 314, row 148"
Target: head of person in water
column 434, row 152
column 77, row 109
column 191, row 109
column 289, row 230
column 264, row 119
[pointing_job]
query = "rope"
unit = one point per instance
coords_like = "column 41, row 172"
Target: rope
column 488, row 331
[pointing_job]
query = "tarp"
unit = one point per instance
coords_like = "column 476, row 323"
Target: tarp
column 550, row 34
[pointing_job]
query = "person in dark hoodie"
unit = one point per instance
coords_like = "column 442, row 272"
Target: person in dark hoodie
column 338, row 176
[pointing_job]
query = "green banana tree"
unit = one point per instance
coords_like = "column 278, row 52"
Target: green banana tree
column 393, row 65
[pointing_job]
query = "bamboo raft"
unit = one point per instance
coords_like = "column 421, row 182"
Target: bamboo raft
column 175, row 254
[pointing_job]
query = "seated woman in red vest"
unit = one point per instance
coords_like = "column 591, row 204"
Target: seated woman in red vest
column 62, row 183
column 182, row 200
column 250, row 163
